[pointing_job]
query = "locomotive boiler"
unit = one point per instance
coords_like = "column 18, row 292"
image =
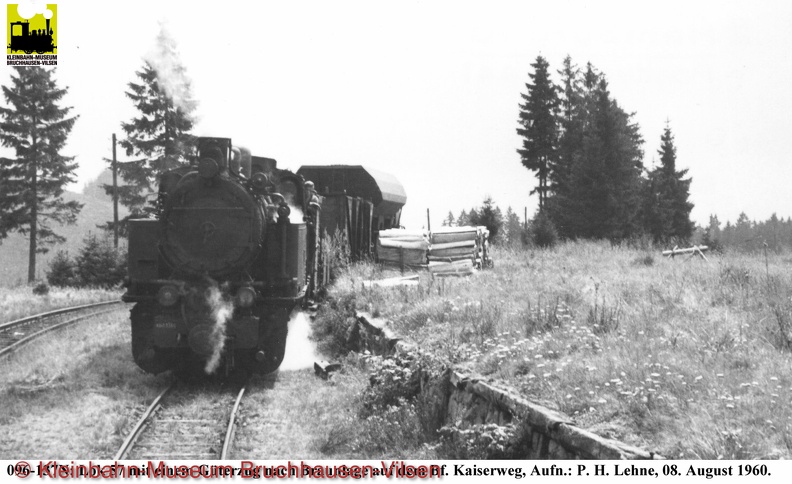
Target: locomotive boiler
column 215, row 277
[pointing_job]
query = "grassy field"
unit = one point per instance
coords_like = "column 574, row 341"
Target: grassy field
column 687, row 358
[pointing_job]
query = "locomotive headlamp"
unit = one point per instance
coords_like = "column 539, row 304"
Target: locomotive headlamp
column 168, row 295
column 246, row 296
column 260, row 181
column 208, row 168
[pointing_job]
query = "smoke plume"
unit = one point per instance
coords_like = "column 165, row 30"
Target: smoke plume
column 171, row 74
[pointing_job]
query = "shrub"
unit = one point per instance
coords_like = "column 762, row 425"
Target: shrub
column 41, row 288
column 98, row 264
column 62, row 270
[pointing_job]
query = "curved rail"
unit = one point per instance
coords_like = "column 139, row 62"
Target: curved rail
column 37, row 317
column 28, row 319
column 229, row 436
column 132, row 437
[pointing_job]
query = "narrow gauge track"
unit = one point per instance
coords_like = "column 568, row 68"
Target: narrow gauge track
column 177, row 426
column 14, row 334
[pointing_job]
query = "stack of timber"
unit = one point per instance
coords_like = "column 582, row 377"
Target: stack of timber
column 451, row 244
column 403, row 247
column 458, row 250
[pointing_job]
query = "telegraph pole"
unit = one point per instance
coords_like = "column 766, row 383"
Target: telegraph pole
column 115, row 195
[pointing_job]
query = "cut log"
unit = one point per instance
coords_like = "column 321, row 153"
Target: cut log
column 406, row 244
column 452, row 245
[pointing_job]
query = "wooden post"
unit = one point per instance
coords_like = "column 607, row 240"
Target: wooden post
column 115, row 195
column 525, row 223
column 428, row 222
column 401, row 259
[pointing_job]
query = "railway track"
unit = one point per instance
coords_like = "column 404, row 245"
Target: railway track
column 15, row 334
column 184, row 423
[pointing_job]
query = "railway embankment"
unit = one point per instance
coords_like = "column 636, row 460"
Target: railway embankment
column 462, row 400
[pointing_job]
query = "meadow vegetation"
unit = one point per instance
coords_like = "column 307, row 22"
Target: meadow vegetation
column 20, row 301
column 687, row 358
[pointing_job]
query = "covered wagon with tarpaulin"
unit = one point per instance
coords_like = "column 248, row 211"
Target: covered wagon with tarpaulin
column 358, row 202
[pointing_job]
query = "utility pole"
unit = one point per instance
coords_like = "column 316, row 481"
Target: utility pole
column 428, row 222
column 115, row 195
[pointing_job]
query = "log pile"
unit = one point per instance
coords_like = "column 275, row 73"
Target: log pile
column 448, row 251
column 403, row 247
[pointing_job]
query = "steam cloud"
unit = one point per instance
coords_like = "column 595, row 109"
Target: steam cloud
column 171, row 76
column 300, row 350
column 221, row 312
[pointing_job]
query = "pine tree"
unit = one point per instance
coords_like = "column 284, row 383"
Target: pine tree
column 538, row 126
column 160, row 137
column 449, row 220
column 31, row 185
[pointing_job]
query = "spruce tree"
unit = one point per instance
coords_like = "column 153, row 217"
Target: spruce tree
column 538, row 126
column 604, row 191
column 674, row 189
column 513, row 227
column 463, row 219
column 31, row 185
column 449, row 220
column 160, row 136
column 666, row 205
column 488, row 215
column 571, row 121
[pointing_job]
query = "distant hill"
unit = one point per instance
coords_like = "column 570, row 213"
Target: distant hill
column 97, row 209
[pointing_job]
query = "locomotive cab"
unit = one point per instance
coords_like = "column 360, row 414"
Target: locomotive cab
column 217, row 275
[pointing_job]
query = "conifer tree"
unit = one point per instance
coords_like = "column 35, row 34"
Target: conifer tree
column 513, row 227
column 667, row 213
column 463, row 219
column 449, row 220
column 606, row 178
column 488, row 215
column 538, row 126
column 31, row 185
column 570, row 124
column 160, row 136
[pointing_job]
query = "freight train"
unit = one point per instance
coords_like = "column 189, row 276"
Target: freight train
column 235, row 248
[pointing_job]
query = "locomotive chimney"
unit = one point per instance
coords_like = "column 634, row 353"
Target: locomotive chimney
column 48, row 27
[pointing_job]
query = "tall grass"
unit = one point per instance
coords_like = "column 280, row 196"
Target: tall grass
column 684, row 357
column 20, row 301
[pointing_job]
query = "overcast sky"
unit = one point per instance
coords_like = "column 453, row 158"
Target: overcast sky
column 429, row 90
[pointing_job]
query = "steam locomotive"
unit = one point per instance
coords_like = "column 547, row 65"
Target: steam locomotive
column 237, row 246
column 29, row 41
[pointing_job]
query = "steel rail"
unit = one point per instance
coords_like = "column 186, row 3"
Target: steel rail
column 27, row 339
column 28, row 319
column 231, row 426
column 136, row 431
